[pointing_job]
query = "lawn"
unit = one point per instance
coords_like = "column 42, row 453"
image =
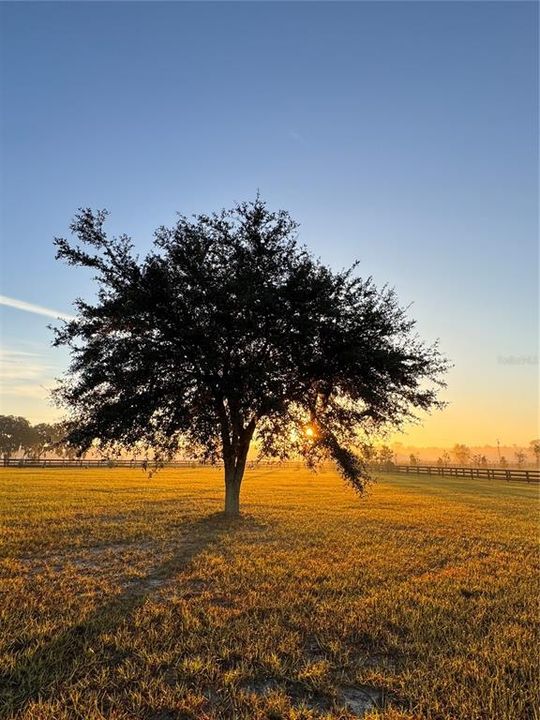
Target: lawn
column 124, row 596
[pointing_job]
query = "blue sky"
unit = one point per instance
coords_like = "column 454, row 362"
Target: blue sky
column 400, row 134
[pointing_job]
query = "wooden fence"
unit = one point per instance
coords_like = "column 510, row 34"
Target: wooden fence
column 91, row 463
column 489, row 473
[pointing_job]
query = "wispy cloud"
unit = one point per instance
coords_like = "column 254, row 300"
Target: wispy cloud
column 33, row 392
column 17, row 366
column 24, row 375
column 36, row 309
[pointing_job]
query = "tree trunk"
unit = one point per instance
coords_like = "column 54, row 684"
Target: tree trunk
column 234, row 472
column 232, row 496
column 235, row 452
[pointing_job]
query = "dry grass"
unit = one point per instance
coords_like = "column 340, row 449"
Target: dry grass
column 129, row 597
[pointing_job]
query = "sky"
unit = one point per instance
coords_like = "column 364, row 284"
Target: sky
column 404, row 135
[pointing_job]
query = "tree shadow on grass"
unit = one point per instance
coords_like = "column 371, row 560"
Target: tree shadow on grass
column 37, row 676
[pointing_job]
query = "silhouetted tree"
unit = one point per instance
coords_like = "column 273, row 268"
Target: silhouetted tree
column 414, row 460
column 228, row 327
column 15, row 434
column 386, row 456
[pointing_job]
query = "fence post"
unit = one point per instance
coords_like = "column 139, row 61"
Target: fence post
column 491, row 473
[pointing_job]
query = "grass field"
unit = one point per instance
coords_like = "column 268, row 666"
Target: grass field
column 129, row 597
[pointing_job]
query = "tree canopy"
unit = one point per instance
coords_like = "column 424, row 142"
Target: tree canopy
column 17, row 434
column 229, row 328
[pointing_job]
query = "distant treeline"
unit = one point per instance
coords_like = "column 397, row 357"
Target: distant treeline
column 18, row 437
column 462, row 455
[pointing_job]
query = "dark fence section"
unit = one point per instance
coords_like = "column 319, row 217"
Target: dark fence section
column 92, row 463
column 489, row 473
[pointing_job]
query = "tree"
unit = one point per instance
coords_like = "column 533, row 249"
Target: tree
column 535, row 450
column 520, row 456
column 414, row 460
column 229, row 328
column 62, row 444
column 476, row 459
column 15, row 433
column 386, row 456
column 503, row 462
column 41, row 440
column 366, row 451
column 47, row 437
column 462, row 454
column 479, row 460
column 444, row 459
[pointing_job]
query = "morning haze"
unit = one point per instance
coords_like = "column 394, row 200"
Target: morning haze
column 268, row 357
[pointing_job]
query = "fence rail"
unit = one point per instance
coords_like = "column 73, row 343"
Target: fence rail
column 489, row 473
column 92, row 462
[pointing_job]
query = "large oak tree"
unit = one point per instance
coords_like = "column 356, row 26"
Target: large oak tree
column 229, row 329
